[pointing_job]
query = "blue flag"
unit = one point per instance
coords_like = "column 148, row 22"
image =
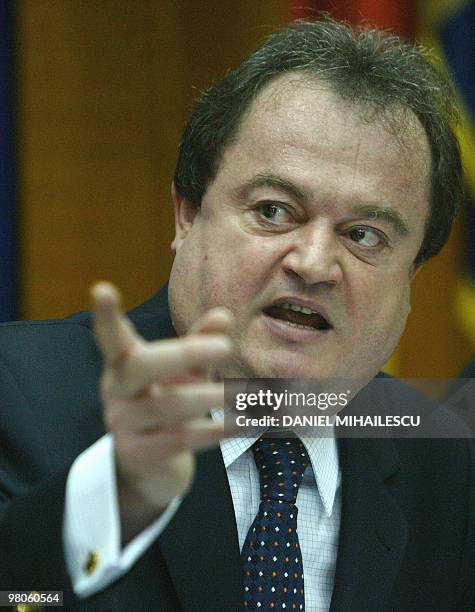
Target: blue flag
column 7, row 168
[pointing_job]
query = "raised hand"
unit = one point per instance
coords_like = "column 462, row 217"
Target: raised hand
column 157, row 397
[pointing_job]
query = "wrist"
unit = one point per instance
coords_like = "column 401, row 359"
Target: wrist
column 136, row 511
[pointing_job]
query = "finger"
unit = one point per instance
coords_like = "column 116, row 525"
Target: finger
column 114, row 332
column 165, row 407
column 194, row 375
column 201, row 434
column 149, row 362
column 194, row 435
column 216, row 320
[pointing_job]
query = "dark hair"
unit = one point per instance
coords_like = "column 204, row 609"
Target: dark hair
column 369, row 67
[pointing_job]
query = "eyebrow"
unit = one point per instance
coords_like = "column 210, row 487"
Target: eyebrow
column 263, row 179
column 367, row 211
column 383, row 213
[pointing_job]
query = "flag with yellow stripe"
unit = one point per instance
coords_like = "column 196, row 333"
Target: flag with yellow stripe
column 448, row 27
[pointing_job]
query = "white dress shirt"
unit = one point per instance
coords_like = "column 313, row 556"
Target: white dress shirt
column 92, row 522
column 318, row 502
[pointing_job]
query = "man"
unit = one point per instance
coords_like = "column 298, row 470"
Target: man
column 312, row 184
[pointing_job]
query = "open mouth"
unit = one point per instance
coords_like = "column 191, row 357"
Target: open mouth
column 299, row 316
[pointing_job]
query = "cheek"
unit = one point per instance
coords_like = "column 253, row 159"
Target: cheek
column 232, row 281
column 238, row 260
column 381, row 308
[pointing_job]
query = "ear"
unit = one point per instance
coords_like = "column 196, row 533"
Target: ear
column 185, row 213
column 415, row 269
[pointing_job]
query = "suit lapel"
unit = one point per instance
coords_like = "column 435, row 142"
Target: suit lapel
column 373, row 531
column 200, row 545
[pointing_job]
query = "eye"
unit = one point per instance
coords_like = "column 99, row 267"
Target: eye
column 275, row 212
column 367, row 237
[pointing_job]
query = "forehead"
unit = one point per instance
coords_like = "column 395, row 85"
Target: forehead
column 300, row 98
column 302, row 126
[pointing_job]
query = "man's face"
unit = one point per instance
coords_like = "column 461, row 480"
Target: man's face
column 312, row 208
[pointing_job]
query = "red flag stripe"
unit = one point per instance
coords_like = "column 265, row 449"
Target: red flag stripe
column 395, row 15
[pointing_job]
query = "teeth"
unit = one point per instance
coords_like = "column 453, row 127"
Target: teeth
column 296, row 308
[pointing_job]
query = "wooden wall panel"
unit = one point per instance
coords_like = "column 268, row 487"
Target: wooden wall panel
column 104, row 91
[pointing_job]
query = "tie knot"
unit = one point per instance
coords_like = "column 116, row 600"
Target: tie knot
column 281, row 463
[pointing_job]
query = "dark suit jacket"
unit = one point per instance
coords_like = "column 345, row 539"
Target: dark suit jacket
column 406, row 514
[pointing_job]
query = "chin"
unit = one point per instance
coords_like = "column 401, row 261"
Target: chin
column 281, row 364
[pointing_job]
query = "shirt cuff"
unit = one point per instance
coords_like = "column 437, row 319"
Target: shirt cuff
column 91, row 529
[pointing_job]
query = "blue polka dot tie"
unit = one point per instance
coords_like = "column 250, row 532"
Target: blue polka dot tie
column 271, row 557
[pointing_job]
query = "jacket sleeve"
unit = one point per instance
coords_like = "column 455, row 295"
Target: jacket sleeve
column 37, row 446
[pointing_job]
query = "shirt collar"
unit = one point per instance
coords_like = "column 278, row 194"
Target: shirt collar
column 323, row 454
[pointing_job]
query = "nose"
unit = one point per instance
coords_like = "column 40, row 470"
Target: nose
column 314, row 256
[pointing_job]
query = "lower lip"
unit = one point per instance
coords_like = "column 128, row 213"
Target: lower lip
column 292, row 333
